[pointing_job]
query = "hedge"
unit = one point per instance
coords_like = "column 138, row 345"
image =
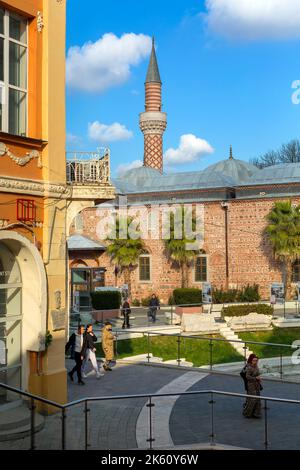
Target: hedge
column 106, row 300
column 186, row 296
column 246, row 294
column 241, row 310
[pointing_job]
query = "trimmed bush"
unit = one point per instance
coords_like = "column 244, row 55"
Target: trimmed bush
column 135, row 303
column 106, row 300
column 246, row 294
column 241, row 310
column 186, row 296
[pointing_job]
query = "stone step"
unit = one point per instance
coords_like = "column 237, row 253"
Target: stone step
column 15, row 423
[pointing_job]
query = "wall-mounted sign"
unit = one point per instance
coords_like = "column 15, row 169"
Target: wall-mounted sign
column 206, row 293
column 58, row 320
column 277, row 293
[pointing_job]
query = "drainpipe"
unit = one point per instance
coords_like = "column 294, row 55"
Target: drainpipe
column 225, row 206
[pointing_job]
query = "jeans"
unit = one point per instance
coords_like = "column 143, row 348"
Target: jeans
column 152, row 313
column 90, row 355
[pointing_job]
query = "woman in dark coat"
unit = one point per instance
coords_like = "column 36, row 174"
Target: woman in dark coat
column 252, row 408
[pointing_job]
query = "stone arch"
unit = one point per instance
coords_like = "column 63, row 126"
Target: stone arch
column 34, row 294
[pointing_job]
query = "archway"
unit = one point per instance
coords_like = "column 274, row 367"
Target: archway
column 23, row 307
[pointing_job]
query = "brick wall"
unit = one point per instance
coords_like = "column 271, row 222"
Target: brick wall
column 250, row 256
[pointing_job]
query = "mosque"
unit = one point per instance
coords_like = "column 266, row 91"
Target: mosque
column 235, row 197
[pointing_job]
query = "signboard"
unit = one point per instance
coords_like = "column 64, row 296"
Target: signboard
column 277, row 293
column 206, row 293
column 3, row 359
column 58, row 320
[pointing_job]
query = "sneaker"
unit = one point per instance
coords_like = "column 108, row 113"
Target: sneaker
column 99, row 375
column 81, row 383
column 71, row 376
column 84, row 375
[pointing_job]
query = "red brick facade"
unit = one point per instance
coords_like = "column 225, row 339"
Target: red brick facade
column 250, row 258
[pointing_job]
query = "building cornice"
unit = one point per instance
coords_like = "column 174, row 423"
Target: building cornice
column 33, row 187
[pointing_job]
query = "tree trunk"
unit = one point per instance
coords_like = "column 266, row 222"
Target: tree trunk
column 183, row 275
column 127, row 279
column 288, row 280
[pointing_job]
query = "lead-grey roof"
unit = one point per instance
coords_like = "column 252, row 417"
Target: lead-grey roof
column 78, row 242
column 229, row 173
column 277, row 174
column 153, row 72
column 145, row 180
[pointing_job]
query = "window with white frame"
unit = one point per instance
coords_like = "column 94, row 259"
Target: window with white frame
column 13, row 73
column 201, row 268
column 144, row 268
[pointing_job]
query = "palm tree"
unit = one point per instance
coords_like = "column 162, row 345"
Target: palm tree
column 125, row 248
column 176, row 249
column 284, row 234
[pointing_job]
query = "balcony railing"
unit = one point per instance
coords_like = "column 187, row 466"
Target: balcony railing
column 88, row 167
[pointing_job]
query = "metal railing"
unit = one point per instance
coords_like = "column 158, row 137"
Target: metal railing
column 150, row 404
column 210, row 364
column 88, row 167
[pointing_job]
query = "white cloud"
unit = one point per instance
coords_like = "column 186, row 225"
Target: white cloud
column 94, row 67
column 121, row 170
column 254, row 19
column 73, row 139
column 108, row 133
column 190, row 149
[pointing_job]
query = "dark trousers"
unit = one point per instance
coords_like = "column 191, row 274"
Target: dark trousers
column 126, row 320
column 78, row 366
column 152, row 313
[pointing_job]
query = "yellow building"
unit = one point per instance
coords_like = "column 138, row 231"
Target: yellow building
column 33, row 197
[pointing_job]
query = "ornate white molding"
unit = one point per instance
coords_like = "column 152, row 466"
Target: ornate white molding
column 37, row 188
column 21, row 160
column 40, row 21
column 92, row 191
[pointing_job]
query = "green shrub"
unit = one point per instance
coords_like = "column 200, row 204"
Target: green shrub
column 240, row 310
column 221, row 296
column 106, row 300
column 186, row 296
column 171, row 300
column 248, row 294
column 135, row 303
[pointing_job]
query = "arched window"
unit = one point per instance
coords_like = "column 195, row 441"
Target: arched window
column 145, row 268
column 201, row 267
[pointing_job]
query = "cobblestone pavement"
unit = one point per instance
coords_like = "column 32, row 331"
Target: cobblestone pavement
column 112, row 424
column 190, row 421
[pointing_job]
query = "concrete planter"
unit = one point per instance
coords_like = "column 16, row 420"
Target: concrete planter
column 189, row 310
column 102, row 315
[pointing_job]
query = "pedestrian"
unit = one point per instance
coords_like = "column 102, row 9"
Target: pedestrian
column 108, row 345
column 252, row 408
column 76, row 344
column 89, row 350
column 153, row 307
column 126, row 311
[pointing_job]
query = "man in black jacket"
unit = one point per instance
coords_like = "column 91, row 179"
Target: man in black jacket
column 126, row 311
column 89, row 350
column 153, row 307
column 76, row 344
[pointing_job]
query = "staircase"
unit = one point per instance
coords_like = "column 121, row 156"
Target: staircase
column 230, row 335
column 15, row 423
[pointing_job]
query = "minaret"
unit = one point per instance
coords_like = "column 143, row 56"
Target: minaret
column 153, row 122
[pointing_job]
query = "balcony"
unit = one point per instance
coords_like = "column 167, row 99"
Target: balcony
column 88, row 167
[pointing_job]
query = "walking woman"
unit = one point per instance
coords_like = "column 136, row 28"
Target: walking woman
column 108, row 345
column 252, row 408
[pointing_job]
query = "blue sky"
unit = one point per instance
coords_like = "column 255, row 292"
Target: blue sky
column 227, row 79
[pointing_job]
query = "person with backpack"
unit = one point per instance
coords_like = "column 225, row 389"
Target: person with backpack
column 153, row 307
column 252, row 408
column 75, row 343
